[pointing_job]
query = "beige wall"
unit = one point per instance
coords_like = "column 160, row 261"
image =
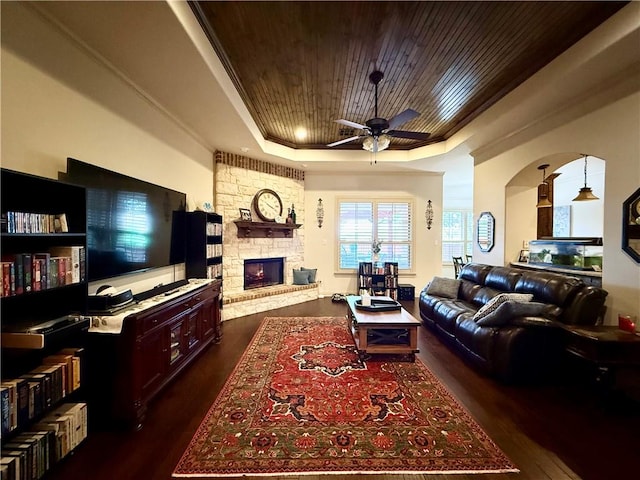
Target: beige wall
column 610, row 133
column 320, row 245
column 59, row 102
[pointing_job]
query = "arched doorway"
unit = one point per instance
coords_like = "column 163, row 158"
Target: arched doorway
column 569, row 218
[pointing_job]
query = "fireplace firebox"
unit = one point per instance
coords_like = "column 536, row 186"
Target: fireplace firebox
column 263, row 272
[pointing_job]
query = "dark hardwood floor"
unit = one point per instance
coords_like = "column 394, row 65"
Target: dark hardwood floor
column 561, row 430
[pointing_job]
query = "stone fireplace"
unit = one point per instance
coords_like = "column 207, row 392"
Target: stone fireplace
column 237, row 179
column 263, row 272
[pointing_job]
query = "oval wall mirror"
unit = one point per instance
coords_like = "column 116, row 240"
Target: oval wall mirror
column 631, row 226
column 485, row 231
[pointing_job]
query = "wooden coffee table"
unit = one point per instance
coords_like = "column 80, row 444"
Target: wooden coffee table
column 394, row 332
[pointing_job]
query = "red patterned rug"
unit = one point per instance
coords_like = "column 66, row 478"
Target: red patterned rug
column 300, row 401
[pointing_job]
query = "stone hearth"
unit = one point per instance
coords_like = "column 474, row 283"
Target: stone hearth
column 237, row 180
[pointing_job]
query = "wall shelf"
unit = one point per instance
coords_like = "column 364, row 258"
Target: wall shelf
column 265, row 229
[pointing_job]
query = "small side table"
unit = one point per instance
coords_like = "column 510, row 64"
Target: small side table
column 607, row 347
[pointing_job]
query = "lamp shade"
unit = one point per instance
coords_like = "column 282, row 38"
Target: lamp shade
column 585, row 192
column 543, row 189
column 544, row 202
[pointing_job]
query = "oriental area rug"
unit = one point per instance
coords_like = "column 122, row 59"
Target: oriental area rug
column 301, row 401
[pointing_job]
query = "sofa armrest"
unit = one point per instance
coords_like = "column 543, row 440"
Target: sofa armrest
column 535, row 322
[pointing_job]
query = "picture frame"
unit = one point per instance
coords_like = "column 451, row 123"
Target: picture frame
column 524, row 256
column 245, row 215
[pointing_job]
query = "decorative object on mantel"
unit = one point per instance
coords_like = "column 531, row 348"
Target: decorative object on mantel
column 292, row 213
column 265, row 229
column 428, row 214
column 245, row 214
column 543, row 189
column 585, row 193
column 267, row 205
column 320, row 213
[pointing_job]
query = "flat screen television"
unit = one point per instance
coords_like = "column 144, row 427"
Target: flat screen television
column 132, row 225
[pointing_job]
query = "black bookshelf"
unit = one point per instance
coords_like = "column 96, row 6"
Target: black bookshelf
column 378, row 279
column 41, row 216
column 204, row 245
column 42, row 196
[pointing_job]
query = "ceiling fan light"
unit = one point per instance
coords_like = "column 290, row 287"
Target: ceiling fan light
column 383, row 142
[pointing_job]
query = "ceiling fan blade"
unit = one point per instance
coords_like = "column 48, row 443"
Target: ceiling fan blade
column 340, row 142
column 410, row 135
column 403, row 117
column 351, row 124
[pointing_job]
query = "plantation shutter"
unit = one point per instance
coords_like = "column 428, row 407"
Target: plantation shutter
column 394, row 232
column 355, row 233
column 389, row 222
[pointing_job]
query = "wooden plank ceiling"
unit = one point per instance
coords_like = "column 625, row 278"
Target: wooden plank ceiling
column 306, row 64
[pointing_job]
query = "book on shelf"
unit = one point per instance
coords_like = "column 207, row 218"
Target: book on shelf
column 14, row 463
column 66, row 361
column 18, row 269
column 5, row 409
column 29, row 222
column 26, row 272
column 60, row 223
column 21, row 387
column 76, row 355
column 8, row 279
column 35, row 274
column 43, row 265
column 75, row 264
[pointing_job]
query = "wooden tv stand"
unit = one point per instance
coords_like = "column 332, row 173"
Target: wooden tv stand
column 127, row 370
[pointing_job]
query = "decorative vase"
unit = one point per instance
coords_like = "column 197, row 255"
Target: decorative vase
column 376, row 257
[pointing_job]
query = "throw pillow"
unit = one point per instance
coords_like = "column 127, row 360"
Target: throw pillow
column 312, row 273
column 510, row 310
column 443, row 287
column 492, row 305
column 300, row 277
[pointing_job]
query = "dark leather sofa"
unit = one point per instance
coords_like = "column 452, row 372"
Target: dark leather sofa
column 524, row 347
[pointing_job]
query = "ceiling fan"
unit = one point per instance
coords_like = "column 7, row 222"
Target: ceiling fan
column 378, row 131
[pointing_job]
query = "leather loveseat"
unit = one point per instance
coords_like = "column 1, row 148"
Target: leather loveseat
column 520, row 340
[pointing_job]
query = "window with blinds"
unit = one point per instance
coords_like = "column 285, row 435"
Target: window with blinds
column 363, row 221
column 457, row 234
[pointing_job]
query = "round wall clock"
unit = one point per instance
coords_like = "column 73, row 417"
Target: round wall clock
column 267, row 205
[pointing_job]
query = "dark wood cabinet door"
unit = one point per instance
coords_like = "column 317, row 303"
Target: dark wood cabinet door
column 153, row 361
column 207, row 319
column 193, row 329
column 177, row 341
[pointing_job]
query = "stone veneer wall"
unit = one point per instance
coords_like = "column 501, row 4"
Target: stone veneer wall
column 237, row 179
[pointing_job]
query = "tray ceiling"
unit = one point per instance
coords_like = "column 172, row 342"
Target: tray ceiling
column 306, row 64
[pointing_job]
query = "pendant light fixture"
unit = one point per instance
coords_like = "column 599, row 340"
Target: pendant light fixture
column 543, row 189
column 585, row 193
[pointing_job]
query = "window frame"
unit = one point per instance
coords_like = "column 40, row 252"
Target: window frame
column 468, row 233
column 410, row 201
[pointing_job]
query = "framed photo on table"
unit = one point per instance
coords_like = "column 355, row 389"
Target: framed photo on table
column 245, row 215
column 524, row 256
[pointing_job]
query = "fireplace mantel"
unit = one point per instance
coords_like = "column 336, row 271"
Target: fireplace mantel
column 265, row 229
